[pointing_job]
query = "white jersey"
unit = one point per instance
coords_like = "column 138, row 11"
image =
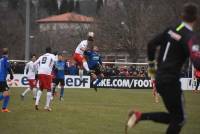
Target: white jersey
column 30, row 70
column 84, row 45
column 45, row 63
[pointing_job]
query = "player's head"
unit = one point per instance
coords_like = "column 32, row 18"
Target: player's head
column 33, row 57
column 190, row 12
column 91, row 36
column 60, row 56
column 48, row 50
column 95, row 48
column 5, row 51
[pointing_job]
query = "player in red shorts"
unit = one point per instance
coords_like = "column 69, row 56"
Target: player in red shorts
column 44, row 66
column 79, row 53
column 30, row 72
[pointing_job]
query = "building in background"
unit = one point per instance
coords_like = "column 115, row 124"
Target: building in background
column 68, row 21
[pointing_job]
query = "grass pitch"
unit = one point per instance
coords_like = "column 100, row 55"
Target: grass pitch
column 86, row 112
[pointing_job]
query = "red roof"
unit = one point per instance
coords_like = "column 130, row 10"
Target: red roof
column 67, row 17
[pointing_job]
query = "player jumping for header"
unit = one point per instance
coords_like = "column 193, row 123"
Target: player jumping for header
column 79, row 54
column 95, row 63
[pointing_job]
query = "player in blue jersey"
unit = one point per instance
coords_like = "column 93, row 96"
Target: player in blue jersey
column 4, row 70
column 59, row 72
column 94, row 61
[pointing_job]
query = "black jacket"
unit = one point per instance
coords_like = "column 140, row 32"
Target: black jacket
column 176, row 45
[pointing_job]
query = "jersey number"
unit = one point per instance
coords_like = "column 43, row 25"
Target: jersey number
column 44, row 60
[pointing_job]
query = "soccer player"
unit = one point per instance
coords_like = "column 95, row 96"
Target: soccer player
column 79, row 53
column 95, row 63
column 4, row 70
column 30, row 72
column 44, row 65
column 197, row 76
column 176, row 45
column 59, row 71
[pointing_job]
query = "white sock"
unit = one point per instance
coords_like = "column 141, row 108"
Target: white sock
column 39, row 93
column 26, row 91
column 34, row 92
column 85, row 65
column 48, row 99
column 81, row 73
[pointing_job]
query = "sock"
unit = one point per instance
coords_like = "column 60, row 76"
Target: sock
column 54, row 89
column 34, row 92
column 62, row 92
column 81, row 74
column 1, row 97
column 97, row 81
column 85, row 65
column 26, row 91
column 39, row 93
column 48, row 99
column 160, row 117
column 5, row 102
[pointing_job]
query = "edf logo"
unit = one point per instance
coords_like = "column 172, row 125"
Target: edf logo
column 24, row 80
column 76, row 82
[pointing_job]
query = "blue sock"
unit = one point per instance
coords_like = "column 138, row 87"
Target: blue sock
column 1, row 97
column 62, row 92
column 98, row 81
column 5, row 102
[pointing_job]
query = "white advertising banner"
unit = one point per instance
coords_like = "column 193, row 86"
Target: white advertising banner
column 70, row 81
column 74, row 82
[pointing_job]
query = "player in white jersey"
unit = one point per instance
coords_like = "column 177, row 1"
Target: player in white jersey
column 79, row 53
column 30, row 72
column 44, row 66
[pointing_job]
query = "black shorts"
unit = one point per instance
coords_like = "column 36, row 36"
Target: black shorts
column 59, row 81
column 3, row 86
column 97, row 70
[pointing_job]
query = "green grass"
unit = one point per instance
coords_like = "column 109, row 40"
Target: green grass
column 85, row 112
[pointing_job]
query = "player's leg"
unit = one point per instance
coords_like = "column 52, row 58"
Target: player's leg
column 26, row 90
column 62, row 84
column 198, row 81
column 39, row 92
column 55, row 84
column 99, row 79
column 49, row 94
column 4, row 96
column 34, row 89
column 175, row 105
column 169, row 93
column 85, row 65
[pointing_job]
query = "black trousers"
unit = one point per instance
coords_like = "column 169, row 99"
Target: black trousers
column 198, row 81
column 172, row 97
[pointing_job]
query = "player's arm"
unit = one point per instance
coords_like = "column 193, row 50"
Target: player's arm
column 151, row 52
column 9, row 69
column 36, row 64
column 26, row 69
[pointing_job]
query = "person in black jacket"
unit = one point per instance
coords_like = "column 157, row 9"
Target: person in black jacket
column 176, row 45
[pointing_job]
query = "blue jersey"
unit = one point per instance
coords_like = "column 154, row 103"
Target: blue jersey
column 60, row 67
column 4, row 67
column 94, row 59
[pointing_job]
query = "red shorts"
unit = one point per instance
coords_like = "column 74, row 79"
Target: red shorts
column 79, row 58
column 45, row 81
column 32, row 83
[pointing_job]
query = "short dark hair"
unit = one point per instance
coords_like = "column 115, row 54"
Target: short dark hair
column 190, row 12
column 90, row 38
column 5, row 51
column 33, row 55
column 48, row 50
